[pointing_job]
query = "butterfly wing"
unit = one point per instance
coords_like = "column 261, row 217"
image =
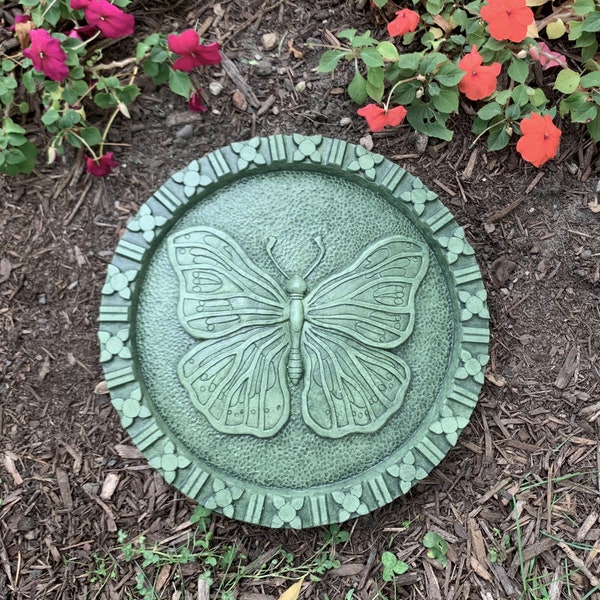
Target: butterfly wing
column 373, row 300
column 349, row 387
column 221, row 290
column 239, row 382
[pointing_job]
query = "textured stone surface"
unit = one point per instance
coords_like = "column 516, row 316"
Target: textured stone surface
column 294, row 330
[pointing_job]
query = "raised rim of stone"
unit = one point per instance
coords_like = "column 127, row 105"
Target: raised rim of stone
column 383, row 482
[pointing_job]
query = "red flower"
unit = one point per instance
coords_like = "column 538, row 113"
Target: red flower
column 195, row 103
column 547, row 57
column 540, row 139
column 102, row 166
column 193, row 53
column 110, row 20
column 46, row 55
column 478, row 81
column 378, row 118
column 507, row 19
column 406, row 20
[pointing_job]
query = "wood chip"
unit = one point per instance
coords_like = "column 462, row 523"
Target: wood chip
column 162, row 577
column 347, row 570
column 65, row 489
column 9, row 465
column 101, row 388
column 239, row 100
column 570, row 366
column 128, row 452
column 203, row 589
column 109, row 486
column 589, row 522
column 433, row 586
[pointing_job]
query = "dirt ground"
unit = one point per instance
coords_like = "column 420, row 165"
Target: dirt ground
column 517, row 499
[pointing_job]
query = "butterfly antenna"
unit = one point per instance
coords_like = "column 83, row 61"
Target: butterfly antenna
column 270, row 245
column 319, row 258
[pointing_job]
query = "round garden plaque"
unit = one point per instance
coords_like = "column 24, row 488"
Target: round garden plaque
column 294, row 330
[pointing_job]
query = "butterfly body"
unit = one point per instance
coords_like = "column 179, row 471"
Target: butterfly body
column 257, row 335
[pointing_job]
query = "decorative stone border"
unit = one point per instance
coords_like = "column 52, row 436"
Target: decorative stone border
column 381, row 483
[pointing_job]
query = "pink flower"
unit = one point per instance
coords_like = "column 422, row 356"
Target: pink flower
column 478, row 81
column 102, row 166
column 20, row 19
column 192, row 53
column 406, row 20
column 46, row 55
column 108, row 18
column 378, row 118
column 547, row 57
column 195, row 103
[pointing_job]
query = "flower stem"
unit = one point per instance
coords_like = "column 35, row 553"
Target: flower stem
column 418, row 77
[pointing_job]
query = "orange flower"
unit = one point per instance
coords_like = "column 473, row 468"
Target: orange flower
column 507, row 19
column 406, row 20
column 540, row 139
column 378, row 118
column 478, row 81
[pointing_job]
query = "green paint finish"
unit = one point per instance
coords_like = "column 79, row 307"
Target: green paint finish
column 294, row 330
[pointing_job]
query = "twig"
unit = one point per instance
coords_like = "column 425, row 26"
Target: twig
column 579, row 563
column 79, row 203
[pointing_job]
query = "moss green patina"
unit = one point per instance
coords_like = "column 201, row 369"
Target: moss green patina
column 294, row 330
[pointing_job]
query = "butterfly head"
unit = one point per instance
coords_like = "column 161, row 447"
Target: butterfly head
column 296, row 285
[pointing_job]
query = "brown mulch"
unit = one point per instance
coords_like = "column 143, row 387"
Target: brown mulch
column 518, row 498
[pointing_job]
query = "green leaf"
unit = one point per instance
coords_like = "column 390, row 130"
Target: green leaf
column 388, row 51
column 449, row 75
column 371, row 57
column 513, row 112
column 28, row 81
column 347, row 34
column 128, row 93
column 50, row 116
column 380, row 3
column 446, row 101
column 434, row 7
column 518, row 70
column 426, row 120
column 538, row 98
column 180, row 83
column 584, row 112
column 410, row 62
column 503, row 97
column 498, row 139
column 329, row 61
column 594, row 128
column 567, row 81
column 26, row 165
column 104, row 100
column 489, row 111
column 9, row 126
column 360, row 41
column 358, row 88
column 430, row 62
column 592, row 22
column 69, row 119
column 520, row 95
column 590, row 80
column 375, row 83
column 91, row 135
column 583, row 7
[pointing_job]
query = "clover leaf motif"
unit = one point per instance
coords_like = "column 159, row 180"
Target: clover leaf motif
column 145, row 223
column 418, row 196
column 456, row 245
column 117, row 282
column 449, row 425
column 350, row 503
column 307, row 147
column 407, row 472
column 248, row 153
column 474, row 305
column 365, row 162
column 114, row 345
column 223, row 497
column 131, row 408
column 169, row 461
column 472, row 366
column 287, row 512
column 192, row 179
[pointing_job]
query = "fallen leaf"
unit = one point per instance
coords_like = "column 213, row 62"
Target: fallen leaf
column 293, row 51
column 9, row 465
column 292, row 592
column 109, row 486
column 5, row 269
column 442, row 23
column 594, row 206
column 101, row 388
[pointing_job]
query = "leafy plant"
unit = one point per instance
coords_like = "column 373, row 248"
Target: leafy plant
column 425, row 69
column 392, row 566
column 55, row 69
column 437, row 547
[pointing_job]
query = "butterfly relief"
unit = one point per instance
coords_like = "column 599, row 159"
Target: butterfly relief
column 259, row 338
